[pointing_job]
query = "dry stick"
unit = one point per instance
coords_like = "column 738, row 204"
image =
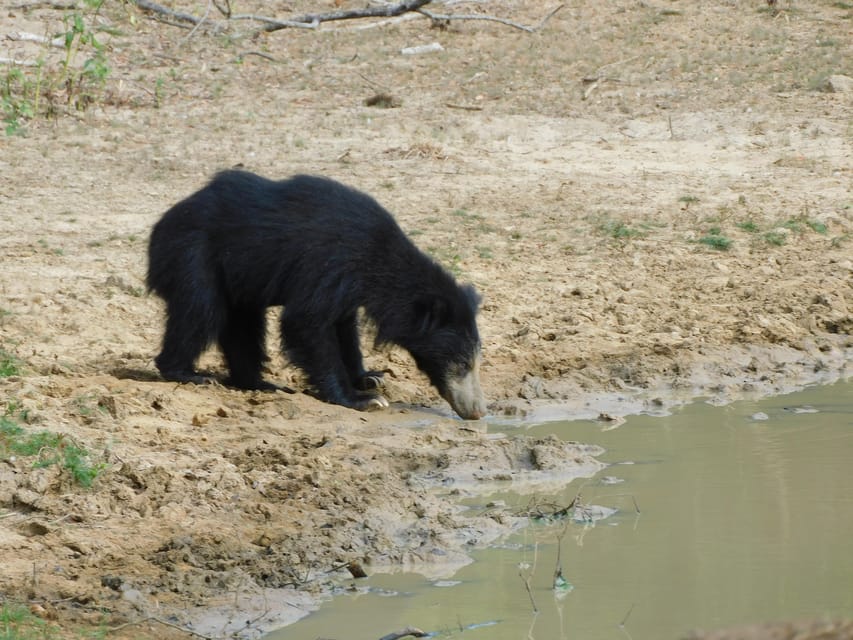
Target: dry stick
column 66, row 6
column 526, row 580
column 381, row 11
column 200, row 22
column 224, row 11
column 558, row 569
column 273, row 22
column 509, row 23
column 378, row 23
column 153, row 7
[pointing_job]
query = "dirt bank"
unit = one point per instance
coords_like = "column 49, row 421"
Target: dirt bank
column 653, row 199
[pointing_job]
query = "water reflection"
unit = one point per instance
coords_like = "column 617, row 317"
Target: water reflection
column 741, row 519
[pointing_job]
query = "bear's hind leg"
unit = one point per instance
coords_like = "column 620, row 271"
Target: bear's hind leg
column 189, row 330
column 347, row 332
column 243, row 342
column 317, row 351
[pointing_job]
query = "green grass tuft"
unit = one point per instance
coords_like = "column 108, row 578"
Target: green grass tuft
column 48, row 449
column 716, row 241
column 9, row 364
column 774, row 238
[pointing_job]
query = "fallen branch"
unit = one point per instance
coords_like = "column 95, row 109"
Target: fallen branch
column 64, row 6
column 159, row 9
column 440, row 17
column 314, row 20
column 381, row 11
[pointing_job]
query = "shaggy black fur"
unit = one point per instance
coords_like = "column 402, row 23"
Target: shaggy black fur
column 321, row 250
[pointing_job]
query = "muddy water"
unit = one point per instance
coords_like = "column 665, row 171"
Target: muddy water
column 746, row 515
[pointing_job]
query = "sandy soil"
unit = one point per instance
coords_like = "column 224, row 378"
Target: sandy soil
column 578, row 176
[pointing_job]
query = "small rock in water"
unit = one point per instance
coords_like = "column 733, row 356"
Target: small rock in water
column 804, row 409
column 760, row 416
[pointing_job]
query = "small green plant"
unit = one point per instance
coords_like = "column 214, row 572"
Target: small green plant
column 716, row 240
column 837, row 241
column 48, row 449
column 19, row 97
column 32, row 92
column 801, row 223
column 9, row 364
column 688, row 200
column 485, row 253
column 17, row 623
column 774, row 238
column 619, row 230
column 84, row 87
column 447, row 257
column 748, row 225
column 159, row 92
column 817, row 227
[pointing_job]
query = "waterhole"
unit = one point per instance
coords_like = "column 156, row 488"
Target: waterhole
column 724, row 515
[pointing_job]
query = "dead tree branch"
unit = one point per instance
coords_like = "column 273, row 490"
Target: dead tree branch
column 153, row 7
column 314, row 20
column 382, row 11
column 440, row 17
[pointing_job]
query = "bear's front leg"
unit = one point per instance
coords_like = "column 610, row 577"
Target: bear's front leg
column 317, row 350
column 346, row 330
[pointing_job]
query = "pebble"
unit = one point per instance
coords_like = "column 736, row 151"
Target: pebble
column 422, row 48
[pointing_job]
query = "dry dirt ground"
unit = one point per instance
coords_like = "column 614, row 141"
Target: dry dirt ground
column 585, row 177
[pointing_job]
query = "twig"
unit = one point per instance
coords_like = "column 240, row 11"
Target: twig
column 526, row 580
column 627, row 615
column 226, row 11
column 379, row 23
column 408, row 631
column 379, row 11
column 153, row 7
column 613, row 64
column 636, row 506
column 437, row 17
column 464, row 107
column 65, row 6
column 274, row 24
column 200, row 22
column 260, row 54
column 558, row 569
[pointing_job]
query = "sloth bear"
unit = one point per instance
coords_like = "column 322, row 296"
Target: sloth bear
column 322, row 251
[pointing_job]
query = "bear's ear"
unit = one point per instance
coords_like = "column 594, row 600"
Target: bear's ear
column 431, row 313
column 473, row 298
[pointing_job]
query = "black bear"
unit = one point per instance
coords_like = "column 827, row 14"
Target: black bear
column 322, row 251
